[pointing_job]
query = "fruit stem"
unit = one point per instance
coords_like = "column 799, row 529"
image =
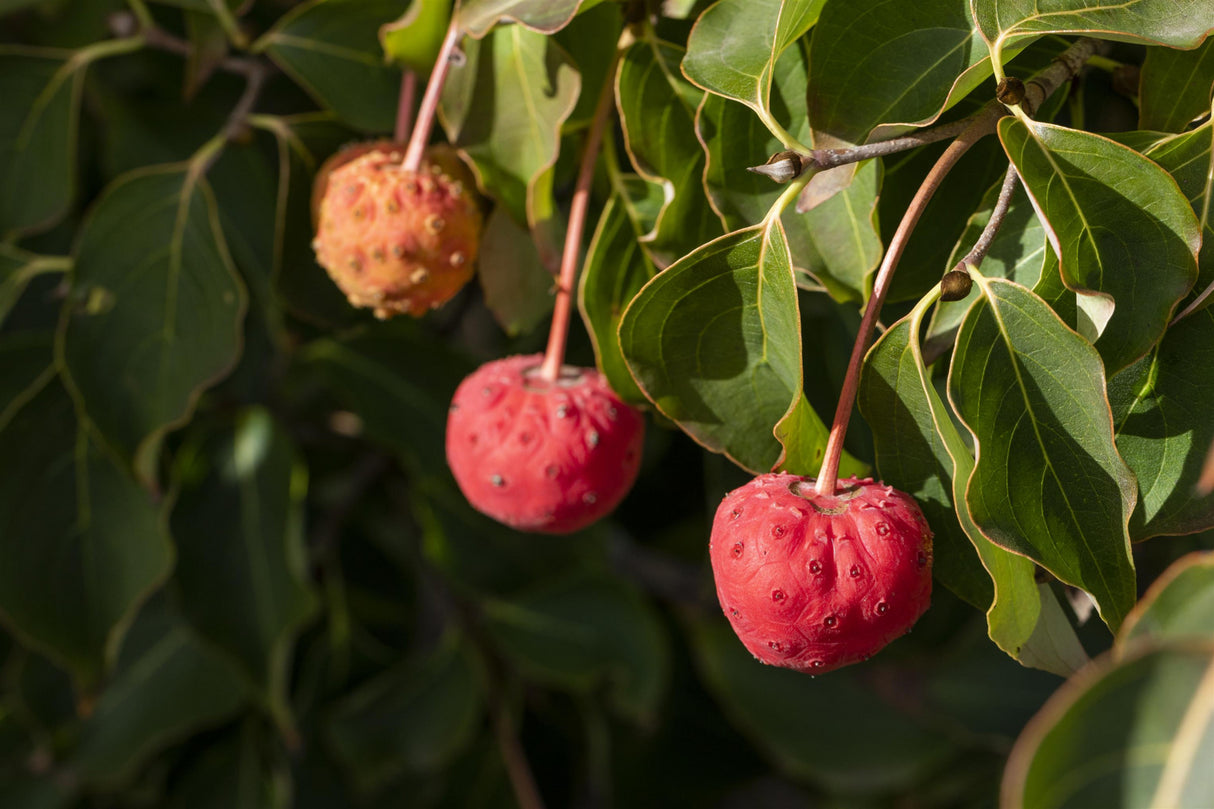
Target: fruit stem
column 981, row 126
column 404, row 107
column 429, row 106
column 558, row 335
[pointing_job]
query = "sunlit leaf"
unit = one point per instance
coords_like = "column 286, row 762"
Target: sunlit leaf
column 1179, row 606
column 1190, row 160
column 414, row 39
column 504, row 107
column 735, row 45
column 1128, row 732
column 1165, row 425
column 1119, row 225
column 477, row 17
column 162, row 311
column 714, row 342
column 1175, row 87
column 657, row 113
column 1048, row 482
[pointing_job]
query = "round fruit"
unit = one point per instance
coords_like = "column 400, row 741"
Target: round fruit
column 551, row 457
column 815, row 582
column 395, row 240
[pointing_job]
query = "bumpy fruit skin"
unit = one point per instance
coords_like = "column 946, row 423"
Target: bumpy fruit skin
column 812, row 582
column 394, row 240
column 548, row 457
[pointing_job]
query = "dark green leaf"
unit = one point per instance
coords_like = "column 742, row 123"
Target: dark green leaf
column 1119, row 225
column 238, row 524
column 1130, row 732
column 615, row 269
column 1190, row 160
column 504, row 107
column 18, row 268
column 27, row 360
column 875, row 63
column 414, row 39
column 735, row 45
column 1048, row 482
column 583, row 631
column 83, row 544
column 1178, row 607
column 168, row 685
column 1176, row 23
column 229, row 774
column 657, row 113
column 714, row 342
column 41, row 92
column 163, row 312
column 412, row 718
column 331, row 49
column 1175, row 87
column 1164, row 426
column 543, row 16
column 829, row 730
column 517, row 286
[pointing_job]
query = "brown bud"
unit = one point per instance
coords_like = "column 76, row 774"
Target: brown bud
column 955, row 285
column 1010, row 91
column 781, row 167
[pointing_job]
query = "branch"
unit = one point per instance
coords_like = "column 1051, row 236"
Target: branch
column 983, row 245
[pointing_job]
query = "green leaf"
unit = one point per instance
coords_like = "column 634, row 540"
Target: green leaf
column 163, row 313
column 231, row 773
column 27, row 360
column 415, row 38
column 871, row 747
column 582, row 631
column 1178, row 607
column 83, row 544
column 920, row 451
column 168, row 685
column 38, row 120
column 477, row 17
column 875, row 64
column 837, row 240
column 1119, row 225
column 238, row 524
column 397, row 380
column 411, row 718
column 735, row 45
column 504, row 108
column 1188, row 157
column 615, row 269
column 1164, row 426
column 1048, row 482
column 1128, row 732
column 331, row 49
column 18, row 268
column 1175, row 23
column 517, row 286
column 714, row 341
column 1174, row 88
column 657, row 113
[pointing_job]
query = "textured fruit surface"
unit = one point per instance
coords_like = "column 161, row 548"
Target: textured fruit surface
column 813, row 582
column 550, row 457
column 395, row 240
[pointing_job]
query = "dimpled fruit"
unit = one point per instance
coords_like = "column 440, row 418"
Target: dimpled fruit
column 549, row 457
column 814, row 582
column 395, row 240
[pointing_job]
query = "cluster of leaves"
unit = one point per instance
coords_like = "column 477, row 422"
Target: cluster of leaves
column 235, row 572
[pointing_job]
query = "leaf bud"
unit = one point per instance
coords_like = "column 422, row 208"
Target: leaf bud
column 955, row 284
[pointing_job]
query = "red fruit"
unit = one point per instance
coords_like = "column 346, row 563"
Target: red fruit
column 542, row 456
column 395, row 240
column 815, row 582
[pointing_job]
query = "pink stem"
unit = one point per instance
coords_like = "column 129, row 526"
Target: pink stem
column 558, row 335
column 829, row 474
column 404, row 107
column 434, row 89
